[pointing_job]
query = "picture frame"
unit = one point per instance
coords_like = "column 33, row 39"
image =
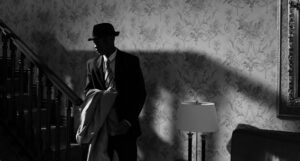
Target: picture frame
column 289, row 60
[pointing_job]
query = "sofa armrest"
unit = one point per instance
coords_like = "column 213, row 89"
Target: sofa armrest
column 264, row 145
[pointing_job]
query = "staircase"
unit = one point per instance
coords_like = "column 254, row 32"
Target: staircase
column 36, row 106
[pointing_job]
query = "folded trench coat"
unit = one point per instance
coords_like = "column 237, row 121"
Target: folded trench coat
column 96, row 121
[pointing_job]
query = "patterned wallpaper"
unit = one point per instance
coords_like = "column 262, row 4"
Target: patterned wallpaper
column 223, row 51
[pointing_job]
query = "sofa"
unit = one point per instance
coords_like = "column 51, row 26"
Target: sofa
column 249, row 143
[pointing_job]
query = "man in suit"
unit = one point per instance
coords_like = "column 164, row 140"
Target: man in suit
column 115, row 70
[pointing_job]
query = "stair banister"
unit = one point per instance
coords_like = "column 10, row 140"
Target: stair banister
column 30, row 54
column 24, row 83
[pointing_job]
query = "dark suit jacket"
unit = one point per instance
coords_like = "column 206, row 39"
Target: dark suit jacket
column 129, row 84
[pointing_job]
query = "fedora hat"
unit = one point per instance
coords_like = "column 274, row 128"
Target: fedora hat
column 102, row 30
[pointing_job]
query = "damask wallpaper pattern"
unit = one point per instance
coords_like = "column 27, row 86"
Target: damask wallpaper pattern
column 223, row 51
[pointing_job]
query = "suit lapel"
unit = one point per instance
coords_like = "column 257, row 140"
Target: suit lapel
column 99, row 62
column 99, row 70
column 118, row 67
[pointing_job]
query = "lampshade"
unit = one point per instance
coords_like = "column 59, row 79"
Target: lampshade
column 197, row 117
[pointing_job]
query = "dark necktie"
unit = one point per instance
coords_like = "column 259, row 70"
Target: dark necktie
column 109, row 77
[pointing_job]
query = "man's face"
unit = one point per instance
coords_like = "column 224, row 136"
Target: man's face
column 99, row 45
column 103, row 44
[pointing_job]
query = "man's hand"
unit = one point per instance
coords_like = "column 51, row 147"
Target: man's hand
column 122, row 128
column 112, row 90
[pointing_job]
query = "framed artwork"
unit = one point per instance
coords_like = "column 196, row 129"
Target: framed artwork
column 289, row 72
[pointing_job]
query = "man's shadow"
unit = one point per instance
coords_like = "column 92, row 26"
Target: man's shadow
column 170, row 78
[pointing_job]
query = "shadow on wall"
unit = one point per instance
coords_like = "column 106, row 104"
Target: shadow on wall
column 192, row 76
column 184, row 75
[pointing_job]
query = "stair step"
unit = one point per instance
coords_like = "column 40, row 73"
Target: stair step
column 62, row 135
column 63, row 147
column 76, row 153
column 43, row 116
column 16, row 82
column 6, row 67
column 17, row 74
column 6, row 103
column 25, row 99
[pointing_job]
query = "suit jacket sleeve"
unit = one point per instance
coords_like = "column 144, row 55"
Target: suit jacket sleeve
column 89, row 81
column 137, row 92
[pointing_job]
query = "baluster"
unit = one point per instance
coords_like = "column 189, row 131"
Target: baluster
column 13, row 51
column 31, row 102
column 58, row 95
column 11, row 86
column 4, row 54
column 68, row 115
column 48, row 122
column 3, row 75
column 39, row 110
column 20, row 108
column 3, row 65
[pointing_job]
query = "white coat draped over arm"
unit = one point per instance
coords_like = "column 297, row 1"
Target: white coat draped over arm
column 93, row 128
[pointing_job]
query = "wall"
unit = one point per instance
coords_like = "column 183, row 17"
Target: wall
column 224, row 51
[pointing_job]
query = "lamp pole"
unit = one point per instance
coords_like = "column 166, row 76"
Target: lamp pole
column 196, row 146
column 190, row 135
column 203, row 147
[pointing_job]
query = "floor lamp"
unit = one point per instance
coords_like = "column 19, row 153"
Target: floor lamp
column 197, row 117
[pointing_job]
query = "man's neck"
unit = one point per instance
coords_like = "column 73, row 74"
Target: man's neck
column 110, row 51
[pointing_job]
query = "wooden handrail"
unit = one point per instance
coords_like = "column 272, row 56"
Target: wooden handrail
column 33, row 57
